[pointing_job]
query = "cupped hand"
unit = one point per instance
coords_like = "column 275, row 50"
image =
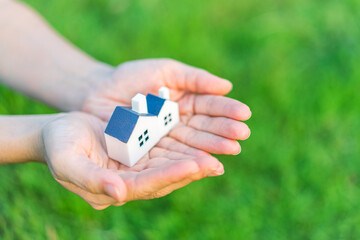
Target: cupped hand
column 209, row 121
column 74, row 150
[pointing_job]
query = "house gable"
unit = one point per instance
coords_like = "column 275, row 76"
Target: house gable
column 168, row 116
column 144, row 136
column 121, row 124
column 154, row 104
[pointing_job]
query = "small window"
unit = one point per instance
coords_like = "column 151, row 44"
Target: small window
column 167, row 119
column 141, row 141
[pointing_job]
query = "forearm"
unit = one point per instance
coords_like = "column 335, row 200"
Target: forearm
column 21, row 139
column 37, row 61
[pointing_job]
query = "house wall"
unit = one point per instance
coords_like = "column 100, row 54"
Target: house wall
column 117, row 150
column 168, row 108
column 133, row 147
column 129, row 153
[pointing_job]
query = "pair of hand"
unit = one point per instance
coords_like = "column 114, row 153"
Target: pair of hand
column 76, row 152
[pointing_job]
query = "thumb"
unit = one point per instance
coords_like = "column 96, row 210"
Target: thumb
column 95, row 179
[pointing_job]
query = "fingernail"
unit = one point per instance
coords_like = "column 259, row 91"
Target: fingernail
column 220, row 172
column 238, row 152
column 217, row 173
column 112, row 191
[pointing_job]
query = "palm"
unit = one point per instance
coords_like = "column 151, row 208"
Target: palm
column 80, row 148
column 209, row 121
column 209, row 124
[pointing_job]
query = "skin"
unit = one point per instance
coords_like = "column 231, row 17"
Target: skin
column 72, row 144
column 209, row 121
column 101, row 181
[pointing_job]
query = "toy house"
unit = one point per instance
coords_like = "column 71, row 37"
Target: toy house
column 133, row 131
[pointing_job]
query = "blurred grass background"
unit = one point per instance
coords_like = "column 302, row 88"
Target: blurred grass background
column 294, row 62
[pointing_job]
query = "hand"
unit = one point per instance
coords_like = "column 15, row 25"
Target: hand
column 209, row 121
column 73, row 146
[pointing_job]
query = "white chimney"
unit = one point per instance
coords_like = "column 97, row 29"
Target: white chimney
column 138, row 103
column 164, row 92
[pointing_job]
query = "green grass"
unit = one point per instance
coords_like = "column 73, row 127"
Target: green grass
column 294, row 62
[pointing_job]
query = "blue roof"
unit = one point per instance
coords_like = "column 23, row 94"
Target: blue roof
column 122, row 123
column 154, row 104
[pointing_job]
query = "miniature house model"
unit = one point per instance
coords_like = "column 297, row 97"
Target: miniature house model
column 132, row 132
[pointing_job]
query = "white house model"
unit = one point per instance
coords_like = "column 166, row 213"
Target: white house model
column 132, row 132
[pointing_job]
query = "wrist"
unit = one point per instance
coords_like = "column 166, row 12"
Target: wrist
column 38, row 148
column 21, row 138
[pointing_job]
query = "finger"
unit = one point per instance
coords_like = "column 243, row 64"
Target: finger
column 205, row 141
column 96, row 201
column 220, row 126
column 157, row 152
column 148, row 163
column 208, row 168
column 169, row 189
column 196, row 80
column 208, row 165
column 102, row 108
column 219, row 106
column 173, row 145
column 103, row 115
column 144, row 184
column 92, row 178
column 159, row 156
